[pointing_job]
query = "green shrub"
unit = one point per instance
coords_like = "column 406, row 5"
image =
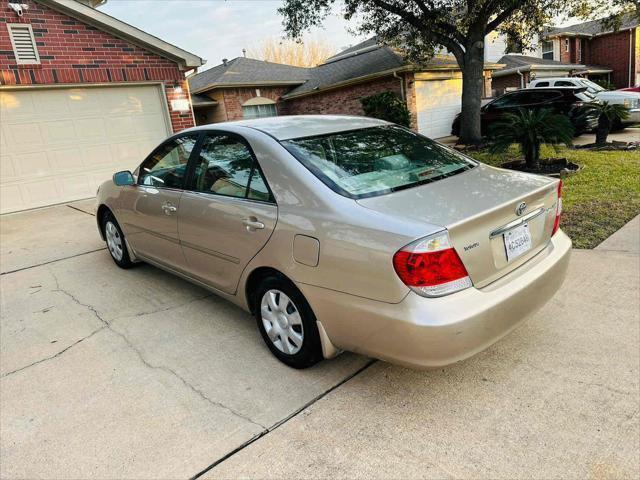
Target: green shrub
column 387, row 106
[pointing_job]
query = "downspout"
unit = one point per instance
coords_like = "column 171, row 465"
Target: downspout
column 630, row 55
column 402, row 90
column 521, row 78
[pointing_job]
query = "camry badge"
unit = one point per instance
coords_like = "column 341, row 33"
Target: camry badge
column 521, row 208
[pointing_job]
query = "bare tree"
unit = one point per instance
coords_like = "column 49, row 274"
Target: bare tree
column 308, row 52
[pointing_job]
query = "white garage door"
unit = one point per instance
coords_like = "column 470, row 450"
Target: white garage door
column 438, row 102
column 59, row 144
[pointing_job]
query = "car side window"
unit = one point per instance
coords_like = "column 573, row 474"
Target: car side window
column 167, row 166
column 563, row 83
column 506, row 101
column 541, row 84
column 226, row 166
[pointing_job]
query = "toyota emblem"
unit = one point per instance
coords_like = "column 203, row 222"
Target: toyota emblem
column 521, row 208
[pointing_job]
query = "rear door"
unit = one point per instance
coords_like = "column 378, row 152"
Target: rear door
column 227, row 212
column 150, row 213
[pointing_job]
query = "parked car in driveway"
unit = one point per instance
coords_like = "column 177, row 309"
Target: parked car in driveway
column 629, row 99
column 343, row 233
column 568, row 101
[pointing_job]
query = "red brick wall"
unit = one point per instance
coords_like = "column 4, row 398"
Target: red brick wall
column 341, row 101
column 500, row 84
column 73, row 52
column 612, row 51
column 235, row 97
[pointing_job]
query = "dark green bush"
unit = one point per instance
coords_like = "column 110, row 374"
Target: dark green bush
column 387, row 106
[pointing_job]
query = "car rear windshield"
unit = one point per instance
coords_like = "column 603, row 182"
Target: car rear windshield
column 375, row 161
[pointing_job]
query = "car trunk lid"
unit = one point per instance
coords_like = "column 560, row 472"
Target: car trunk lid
column 478, row 208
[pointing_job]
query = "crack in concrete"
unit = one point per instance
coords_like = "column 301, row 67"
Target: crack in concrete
column 54, row 356
column 52, row 261
column 81, row 211
column 107, row 325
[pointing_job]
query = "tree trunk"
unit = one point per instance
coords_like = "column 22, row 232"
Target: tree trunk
column 472, row 93
column 532, row 156
column 602, row 132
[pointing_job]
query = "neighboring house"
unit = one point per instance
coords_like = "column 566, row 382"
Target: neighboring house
column 246, row 88
column 82, row 95
column 617, row 53
column 519, row 70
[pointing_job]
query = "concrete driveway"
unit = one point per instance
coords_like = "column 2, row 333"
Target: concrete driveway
column 108, row 373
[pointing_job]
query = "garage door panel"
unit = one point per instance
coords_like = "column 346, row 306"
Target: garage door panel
column 90, row 129
column 69, row 159
column 60, row 132
column 23, row 136
column 75, row 186
column 59, row 144
column 438, row 102
column 98, row 156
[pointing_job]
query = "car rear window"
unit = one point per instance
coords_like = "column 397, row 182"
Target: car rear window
column 375, row 161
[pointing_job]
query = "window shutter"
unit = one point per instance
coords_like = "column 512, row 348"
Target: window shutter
column 24, row 43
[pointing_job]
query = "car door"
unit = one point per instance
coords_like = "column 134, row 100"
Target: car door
column 227, row 212
column 495, row 110
column 151, row 213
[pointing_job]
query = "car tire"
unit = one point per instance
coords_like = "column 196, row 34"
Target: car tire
column 116, row 244
column 287, row 323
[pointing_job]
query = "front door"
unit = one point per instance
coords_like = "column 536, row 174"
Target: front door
column 227, row 213
column 151, row 224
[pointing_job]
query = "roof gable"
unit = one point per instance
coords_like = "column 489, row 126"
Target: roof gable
column 125, row 31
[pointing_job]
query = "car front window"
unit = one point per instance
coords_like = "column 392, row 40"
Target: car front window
column 375, row 161
column 167, row 166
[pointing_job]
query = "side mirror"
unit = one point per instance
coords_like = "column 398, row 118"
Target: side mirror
column 124, row 178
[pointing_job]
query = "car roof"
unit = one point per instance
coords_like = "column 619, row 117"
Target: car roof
column 545, row 79
column 297, row 126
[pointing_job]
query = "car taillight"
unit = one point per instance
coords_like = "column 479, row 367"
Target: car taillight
column 431, row 267
column 556, row 222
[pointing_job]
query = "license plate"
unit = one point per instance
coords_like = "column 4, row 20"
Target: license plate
column 517, row 241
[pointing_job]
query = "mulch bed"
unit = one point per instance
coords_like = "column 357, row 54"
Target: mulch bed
column 553, row 167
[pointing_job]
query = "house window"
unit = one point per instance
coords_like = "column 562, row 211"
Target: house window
column 547, row 50
column 23, row 43
column 566, row 44
column 259, row 107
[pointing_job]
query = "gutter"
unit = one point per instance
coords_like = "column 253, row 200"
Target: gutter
column 270, row 83
column 527, row 68
column 521, row 78
column 630, row 57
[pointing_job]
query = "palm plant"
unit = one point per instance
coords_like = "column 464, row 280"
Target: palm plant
column 609, row 114
column 530, row 129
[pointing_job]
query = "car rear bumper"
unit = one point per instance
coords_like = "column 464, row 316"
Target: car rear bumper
column 431, row 332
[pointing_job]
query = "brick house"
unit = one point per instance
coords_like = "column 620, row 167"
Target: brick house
column 588, row 49
column 593, row 43
column 247, row 88
column 82, row 95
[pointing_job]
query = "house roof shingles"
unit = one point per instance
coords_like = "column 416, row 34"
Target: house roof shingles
column 248, row 71
column 365, row 59
column 594, row 27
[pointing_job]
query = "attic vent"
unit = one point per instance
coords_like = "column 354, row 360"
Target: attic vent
column 24, row 44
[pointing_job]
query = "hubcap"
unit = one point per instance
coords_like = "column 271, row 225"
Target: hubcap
column 114, row 241
column 282, row 322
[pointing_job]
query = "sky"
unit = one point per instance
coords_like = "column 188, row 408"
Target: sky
column 217, row 29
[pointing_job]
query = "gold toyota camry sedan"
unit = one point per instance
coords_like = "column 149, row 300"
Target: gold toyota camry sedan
column 343, row 233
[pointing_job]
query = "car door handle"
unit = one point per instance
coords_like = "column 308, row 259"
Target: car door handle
column 252, row 224
column 169, row 208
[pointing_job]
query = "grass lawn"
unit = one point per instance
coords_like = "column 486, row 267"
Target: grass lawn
column 599, row 199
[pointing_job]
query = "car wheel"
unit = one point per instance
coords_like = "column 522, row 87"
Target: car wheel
column 115, row 241
column 287, row 323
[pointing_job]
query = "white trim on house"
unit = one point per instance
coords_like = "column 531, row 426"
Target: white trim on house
column 125, row 31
